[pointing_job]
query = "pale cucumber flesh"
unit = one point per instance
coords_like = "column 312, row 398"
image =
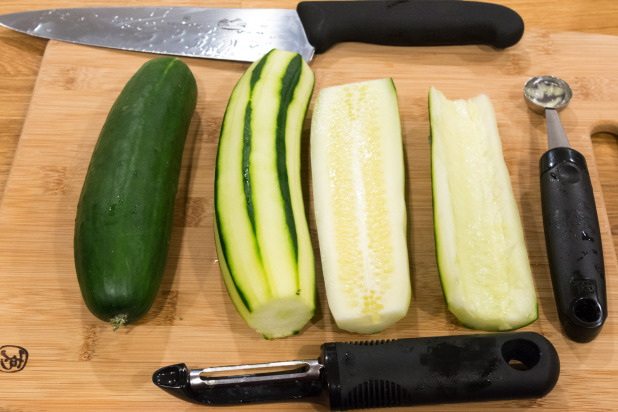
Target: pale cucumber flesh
column 480, row 246
column 358, row 190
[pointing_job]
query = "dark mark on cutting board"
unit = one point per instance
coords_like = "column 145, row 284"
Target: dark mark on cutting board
column 12, row 358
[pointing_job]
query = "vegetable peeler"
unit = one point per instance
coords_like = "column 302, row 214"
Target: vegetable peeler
column 386, row 373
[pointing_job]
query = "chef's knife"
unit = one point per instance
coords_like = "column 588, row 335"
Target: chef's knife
column 248, row 34
column 383, row 373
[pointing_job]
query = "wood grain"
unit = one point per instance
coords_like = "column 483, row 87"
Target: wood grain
column 193, row 320
column 57, row 102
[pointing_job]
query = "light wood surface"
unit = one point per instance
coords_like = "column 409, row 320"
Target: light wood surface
column 55, row 98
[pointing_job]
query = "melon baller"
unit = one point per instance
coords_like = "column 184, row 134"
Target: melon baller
column 571, row 225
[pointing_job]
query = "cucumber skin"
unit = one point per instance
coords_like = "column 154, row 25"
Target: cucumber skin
column 126, row 208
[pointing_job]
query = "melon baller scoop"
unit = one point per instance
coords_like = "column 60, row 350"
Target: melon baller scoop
column 571, row 225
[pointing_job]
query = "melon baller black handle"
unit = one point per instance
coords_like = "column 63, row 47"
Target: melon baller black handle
column 573, row 242
column 377, row 374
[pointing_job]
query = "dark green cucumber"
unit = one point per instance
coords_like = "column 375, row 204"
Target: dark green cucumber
column 126, row 207
column 262, row 237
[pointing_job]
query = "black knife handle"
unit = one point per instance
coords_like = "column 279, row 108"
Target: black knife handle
column 443, row 369
column 573, row 241
column 409, row 23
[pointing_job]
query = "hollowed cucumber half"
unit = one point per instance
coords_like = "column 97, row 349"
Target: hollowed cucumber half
column 480, row 247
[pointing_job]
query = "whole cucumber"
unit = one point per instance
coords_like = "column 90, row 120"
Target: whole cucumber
column 126, row 207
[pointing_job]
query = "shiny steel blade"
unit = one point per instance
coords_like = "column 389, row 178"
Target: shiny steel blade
column 260, row 373
column 556, row 136
column 215, row 33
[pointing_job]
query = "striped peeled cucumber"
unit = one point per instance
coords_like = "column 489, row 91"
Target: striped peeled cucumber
column 358, row 189
column 126, row 207
column 480, row 248
column 261, row 232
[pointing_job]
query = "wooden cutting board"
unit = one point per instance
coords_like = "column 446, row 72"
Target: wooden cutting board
column 76, row 362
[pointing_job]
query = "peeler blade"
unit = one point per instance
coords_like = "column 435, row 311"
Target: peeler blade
column 264, row 382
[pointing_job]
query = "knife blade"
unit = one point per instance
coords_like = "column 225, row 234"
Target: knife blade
column 247, row 34
column 372, row 374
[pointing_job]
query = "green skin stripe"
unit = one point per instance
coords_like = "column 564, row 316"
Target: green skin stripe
column 289, row 83
column 246, row 145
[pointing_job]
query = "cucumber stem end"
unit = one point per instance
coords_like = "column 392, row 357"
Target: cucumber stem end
column 118, row 321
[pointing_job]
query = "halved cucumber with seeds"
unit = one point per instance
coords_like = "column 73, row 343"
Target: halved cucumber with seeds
column 480, row 248
column 358, row 190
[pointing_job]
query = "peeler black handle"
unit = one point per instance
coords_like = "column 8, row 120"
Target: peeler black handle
column 573, row 242
column 438, row 370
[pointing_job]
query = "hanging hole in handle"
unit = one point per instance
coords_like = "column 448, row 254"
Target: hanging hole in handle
column 521, row 354
column 587, row 310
